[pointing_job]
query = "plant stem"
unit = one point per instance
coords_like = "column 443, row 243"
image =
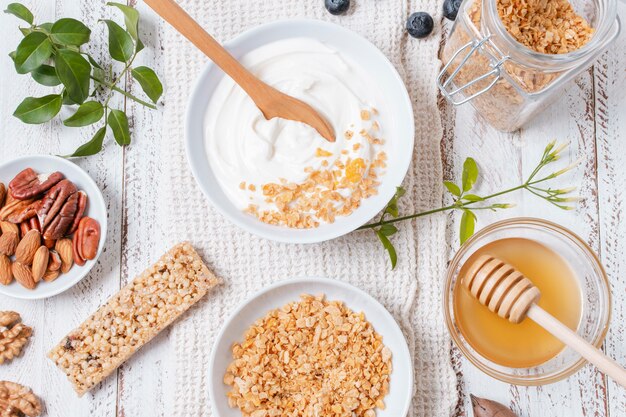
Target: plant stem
column 446, row 208
column 125, row 93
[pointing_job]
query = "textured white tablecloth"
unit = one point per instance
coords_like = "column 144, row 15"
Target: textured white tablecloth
column 412, row 292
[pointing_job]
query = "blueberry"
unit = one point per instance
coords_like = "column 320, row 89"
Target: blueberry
column 337, row 6
column 419, row 25
column 451, row 8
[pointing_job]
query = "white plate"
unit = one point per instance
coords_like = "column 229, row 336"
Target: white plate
column 398, row 108
column 96, row 209
column 401, row 382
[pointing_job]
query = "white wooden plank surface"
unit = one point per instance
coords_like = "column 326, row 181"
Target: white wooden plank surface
column 590, row 114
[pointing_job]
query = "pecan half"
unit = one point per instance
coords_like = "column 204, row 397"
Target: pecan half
column 28, row 184
column 88, row 238
column 3, row 194
column 62, row 221
column 13, row 207
column 82, row 205
column 27, row 213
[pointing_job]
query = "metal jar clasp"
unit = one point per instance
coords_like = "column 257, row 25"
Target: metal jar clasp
column 445, row 83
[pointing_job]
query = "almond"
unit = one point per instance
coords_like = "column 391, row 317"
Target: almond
column 8, row 243
column 40, row 263
column 64, row 248
column 27, row 247
column 23, row 275
column 50, row 276
column 54, row 261
column 6, row 275
column 7, row 227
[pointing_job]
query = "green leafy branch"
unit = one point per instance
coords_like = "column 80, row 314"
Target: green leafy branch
column 51, row 53
column 470, row 203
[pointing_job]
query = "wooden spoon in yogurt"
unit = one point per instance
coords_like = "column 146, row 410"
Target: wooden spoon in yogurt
column 508, row 293
column 269, row 100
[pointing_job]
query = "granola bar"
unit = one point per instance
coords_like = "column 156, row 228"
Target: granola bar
column 132, row 317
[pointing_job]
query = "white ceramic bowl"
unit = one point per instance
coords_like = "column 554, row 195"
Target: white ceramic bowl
column 400, row 128
column 401, row 382
column 95, row 209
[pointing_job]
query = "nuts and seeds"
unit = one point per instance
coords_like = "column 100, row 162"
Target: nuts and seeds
column 312, row 357
column 17, row 401
column 38, row 215
column 335, row 190
column 13, row 335
column 132, row 317
column 549, row 27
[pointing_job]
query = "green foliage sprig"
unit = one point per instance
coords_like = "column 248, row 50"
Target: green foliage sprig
column 52, row 54
column 469, row 203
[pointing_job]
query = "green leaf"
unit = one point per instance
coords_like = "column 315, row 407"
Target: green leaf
column 389, row 248
column 12, row 56
column 46, row 75
column 69, row 31
column 45, row 27
column 66, row 98
column 93, row 62
column 88, row 113
column 388, row 229
column 19, row 10
column 392, row 208
column 32, row 52
column 121, row 45
column 468, row 223
column 131, row 19
column 149, row 82
column 472, row 197
column 35, row 110
column 73, row 70
column 119, row 125
column 453, row 188
column 93, row 146
column 470, row 174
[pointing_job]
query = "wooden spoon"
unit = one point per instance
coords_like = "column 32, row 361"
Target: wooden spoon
column 269, row 100
column 508, row 293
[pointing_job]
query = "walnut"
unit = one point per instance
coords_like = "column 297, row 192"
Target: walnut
column 17, row 400
column 58, row 210
column 28, row 184
column 26, row 213
column 14, row 336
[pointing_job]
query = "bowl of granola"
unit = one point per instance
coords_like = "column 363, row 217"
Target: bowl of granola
column 286, row 351
column 280, row 179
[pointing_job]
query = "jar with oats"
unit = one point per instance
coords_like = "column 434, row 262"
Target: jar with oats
column 511, row 58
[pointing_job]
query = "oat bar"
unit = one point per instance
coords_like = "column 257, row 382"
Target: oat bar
column 132, row 317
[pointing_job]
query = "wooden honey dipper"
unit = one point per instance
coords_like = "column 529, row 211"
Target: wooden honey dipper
column 508, row 293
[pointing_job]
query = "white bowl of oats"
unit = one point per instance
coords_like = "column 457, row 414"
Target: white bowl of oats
column 280, row 179
column 311, row 346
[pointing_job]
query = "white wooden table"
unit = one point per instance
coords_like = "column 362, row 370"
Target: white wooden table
column 591, row 114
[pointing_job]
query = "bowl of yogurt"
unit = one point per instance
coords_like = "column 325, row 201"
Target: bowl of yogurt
column 280, row 179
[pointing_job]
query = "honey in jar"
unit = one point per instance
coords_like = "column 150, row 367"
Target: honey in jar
column 526, row 344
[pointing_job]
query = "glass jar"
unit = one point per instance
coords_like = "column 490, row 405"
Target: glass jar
column 507, row 82
column 592, row 281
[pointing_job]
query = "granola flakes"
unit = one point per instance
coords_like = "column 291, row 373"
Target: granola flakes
column 309, row 358
column 335, row 190
column 546, row 26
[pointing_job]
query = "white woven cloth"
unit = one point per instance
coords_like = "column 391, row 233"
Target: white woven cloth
column 412, row 292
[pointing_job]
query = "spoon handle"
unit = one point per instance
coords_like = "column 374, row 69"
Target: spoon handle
column 172, row 13
column 580, row 345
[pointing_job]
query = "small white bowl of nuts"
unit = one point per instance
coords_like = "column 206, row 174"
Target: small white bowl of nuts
column 53, row 225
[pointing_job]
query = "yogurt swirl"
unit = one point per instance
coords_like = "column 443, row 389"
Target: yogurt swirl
column 246, row 151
